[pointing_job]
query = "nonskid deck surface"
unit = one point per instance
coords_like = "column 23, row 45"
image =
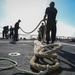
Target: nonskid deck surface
column 66, row 57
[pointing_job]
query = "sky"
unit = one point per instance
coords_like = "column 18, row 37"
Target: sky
column 31, row 12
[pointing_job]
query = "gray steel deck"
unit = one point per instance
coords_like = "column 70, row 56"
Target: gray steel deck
column 66, row 56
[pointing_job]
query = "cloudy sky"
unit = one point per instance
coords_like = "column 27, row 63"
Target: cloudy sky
column 32, row 11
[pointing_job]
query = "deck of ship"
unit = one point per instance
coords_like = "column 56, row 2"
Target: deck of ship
column 66, row 57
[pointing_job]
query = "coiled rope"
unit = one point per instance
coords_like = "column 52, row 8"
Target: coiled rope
column 14, row 65
column 48, row 52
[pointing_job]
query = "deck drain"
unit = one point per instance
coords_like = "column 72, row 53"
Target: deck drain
column 14, row 54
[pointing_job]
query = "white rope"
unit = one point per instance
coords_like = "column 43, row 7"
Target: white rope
column 42, row 51
column 14, row 65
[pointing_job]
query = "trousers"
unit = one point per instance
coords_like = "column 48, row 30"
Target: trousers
column 51, row 27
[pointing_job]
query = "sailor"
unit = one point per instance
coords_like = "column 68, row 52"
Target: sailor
column 5, row 31
column 16, row 27
column 41, row 31
column 11, row 32
column 50, row 13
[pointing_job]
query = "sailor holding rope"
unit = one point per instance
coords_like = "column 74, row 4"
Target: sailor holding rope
column 50, row 13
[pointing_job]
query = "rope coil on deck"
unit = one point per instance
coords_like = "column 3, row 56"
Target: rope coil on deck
column 41, row 51
column 14, row 64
